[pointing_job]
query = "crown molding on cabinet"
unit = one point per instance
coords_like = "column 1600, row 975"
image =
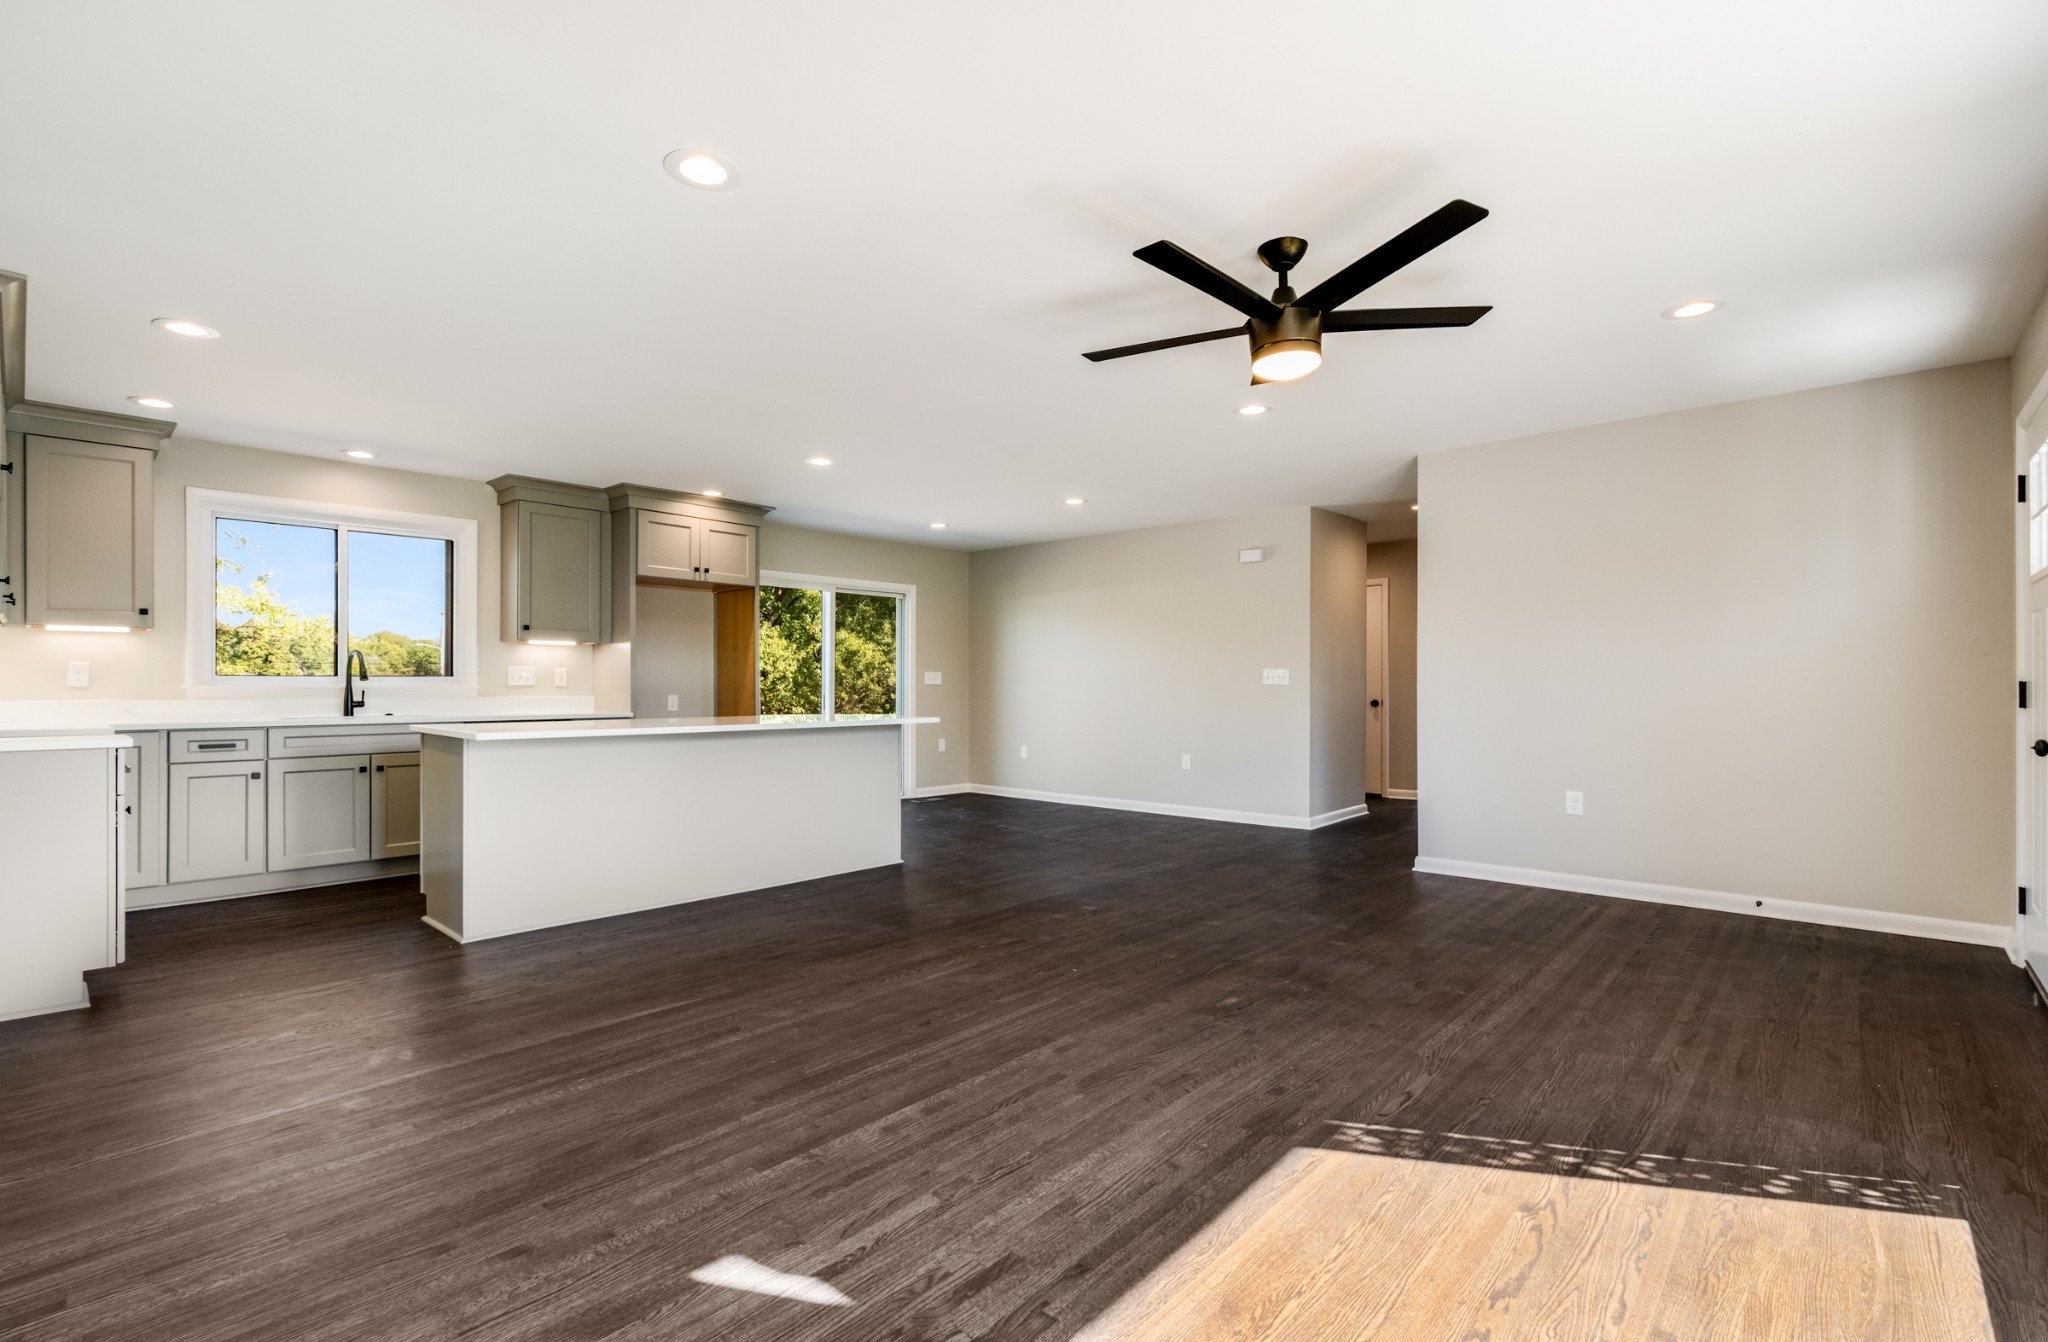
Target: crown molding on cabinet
column 13, row 337
column 90, row 426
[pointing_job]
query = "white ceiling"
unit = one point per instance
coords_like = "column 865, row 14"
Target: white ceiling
column 442, row 231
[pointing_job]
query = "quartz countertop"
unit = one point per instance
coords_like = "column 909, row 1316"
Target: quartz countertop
column 98, row 741
column 591, row 729
column 202, row 716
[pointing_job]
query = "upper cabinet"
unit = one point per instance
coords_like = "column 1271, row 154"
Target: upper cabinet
column 89, row 533
column 679, row 537
column 556, row 558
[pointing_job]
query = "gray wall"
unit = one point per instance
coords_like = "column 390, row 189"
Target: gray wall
column 152, row 665
column 1337, row 573
column 1112, row 656
column 2030, row 359
column 1395, row 561
column 941, row 637
column 1771, row 641
column 674, row 652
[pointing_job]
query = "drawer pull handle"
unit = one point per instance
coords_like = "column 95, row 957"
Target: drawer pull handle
column 215, row 745
column 256, row 775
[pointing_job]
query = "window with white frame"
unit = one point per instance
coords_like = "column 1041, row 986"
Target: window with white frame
column 858, row 672
column 283, row 591
column 2037, row 511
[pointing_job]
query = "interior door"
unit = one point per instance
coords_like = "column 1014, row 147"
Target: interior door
column 1376, row 746
column 2034, row 923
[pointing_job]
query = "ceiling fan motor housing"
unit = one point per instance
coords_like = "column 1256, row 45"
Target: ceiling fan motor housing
column 1296, row 328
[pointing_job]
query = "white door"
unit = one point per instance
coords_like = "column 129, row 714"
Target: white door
column 2034, row 923
column 1376, row 746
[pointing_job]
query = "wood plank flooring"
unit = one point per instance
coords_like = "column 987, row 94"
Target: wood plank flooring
column 984, row 1094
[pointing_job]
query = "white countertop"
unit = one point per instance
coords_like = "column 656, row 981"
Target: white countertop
column 101, row 741
column 208, row 716
column 588, row 729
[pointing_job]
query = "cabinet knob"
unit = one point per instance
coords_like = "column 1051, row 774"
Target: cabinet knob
column 256, row 775
column 362, row 768
column 380, row 768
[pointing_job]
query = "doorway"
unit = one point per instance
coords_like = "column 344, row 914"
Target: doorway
column 1378, row 751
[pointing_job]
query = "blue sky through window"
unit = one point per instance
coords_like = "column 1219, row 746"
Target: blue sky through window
column 396, row 583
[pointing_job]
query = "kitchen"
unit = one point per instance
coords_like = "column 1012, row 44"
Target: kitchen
column 616, row 615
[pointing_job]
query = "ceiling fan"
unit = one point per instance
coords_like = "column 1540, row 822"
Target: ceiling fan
column 1287, row 330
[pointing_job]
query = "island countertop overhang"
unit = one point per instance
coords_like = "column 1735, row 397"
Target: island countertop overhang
column 597, row 730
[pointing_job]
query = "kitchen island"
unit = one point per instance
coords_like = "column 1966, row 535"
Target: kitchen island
column 532, row 825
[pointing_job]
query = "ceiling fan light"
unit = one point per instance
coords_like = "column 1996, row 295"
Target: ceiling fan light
column 1287, row 360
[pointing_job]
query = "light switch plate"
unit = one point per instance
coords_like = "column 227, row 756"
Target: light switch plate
column 942, row 745
column 675, row 701
column 519, row 675
column 1023, row 752
column 934, row 677
column 1251, row 556
column 78, row 675
column 1574, row 803
column 1276, row 675
column 1187, row 761
column 561, row 676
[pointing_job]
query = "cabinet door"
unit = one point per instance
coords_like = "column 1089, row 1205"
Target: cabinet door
column 89, row 533
column 559, row 572
column 319, row 812
column 668, row 546
column 395, row 805
column 726, row 553
column 216, row 820
column 142, row 810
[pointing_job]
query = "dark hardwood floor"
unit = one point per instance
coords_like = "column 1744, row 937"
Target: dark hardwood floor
column 982, row 1094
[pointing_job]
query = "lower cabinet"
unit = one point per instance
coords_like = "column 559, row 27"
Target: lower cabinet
column 319, row 811
column 142, row 832
column 395, row 805
column 216, row 819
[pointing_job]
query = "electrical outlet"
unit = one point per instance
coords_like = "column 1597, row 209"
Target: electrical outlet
column 1023, row 752
column 1276, row 675
column 519, row 675
column 934, row 677
column 942, row 745
column 1187, row 761
column 561, row 676
column 1574, row 803
column 78, row 675
column 675, row 701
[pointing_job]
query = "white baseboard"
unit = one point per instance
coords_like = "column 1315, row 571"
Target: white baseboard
column 23, row 1013
column 941, row 790
column 1792, row 910
column 1266, row 818
column 1399, row 794
column 443, row 928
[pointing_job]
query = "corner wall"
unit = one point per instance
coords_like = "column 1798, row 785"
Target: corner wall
column 1770, row 641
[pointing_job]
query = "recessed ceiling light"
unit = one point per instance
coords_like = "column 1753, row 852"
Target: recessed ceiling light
column 817, row 461
column 701, row 168
column 153, row 402
column 1414, row 507
column 359, row 454
column 712, row 493
column 179, row 326
column 1075, row 503
column 938, row 526
column 1253, row 409
column 1698, row 307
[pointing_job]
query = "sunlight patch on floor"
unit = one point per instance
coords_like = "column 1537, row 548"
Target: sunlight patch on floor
column 1352, row 1244
column 739, row 1273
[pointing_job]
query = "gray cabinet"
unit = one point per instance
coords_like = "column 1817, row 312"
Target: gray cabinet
column 395, row 805
column 676, row 548
column 319, row 812
column 89, row 534
column 555, row 561
column 216, row 820
column 142, row 810
column 668, row 546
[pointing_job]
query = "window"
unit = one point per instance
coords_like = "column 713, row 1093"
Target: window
column 283, row 592
column 2037, row 511
column 863, row 676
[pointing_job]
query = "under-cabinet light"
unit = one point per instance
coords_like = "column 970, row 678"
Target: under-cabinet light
column 551, row 642
column 89, row 628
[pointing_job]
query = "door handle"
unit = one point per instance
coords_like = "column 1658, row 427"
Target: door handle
column 2041, row 747
column 1375, row 703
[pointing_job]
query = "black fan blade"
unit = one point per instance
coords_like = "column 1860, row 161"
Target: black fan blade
column 1390, row 256
column 1191, row 269
column 1400, row 319
column 1122, row 350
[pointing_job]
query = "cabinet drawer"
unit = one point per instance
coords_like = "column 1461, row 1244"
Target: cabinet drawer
column 304, row 743
column 231, row 743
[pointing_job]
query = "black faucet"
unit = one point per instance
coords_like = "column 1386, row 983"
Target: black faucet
column 351, row 698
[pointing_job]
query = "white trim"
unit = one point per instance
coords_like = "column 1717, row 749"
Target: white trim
column 443, row 929
column 941, row 790
column 203, row 505
column 1266, row 818
column 906, row 647
column 84, row 1001
column 1398, row 793
column 1791, row 910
